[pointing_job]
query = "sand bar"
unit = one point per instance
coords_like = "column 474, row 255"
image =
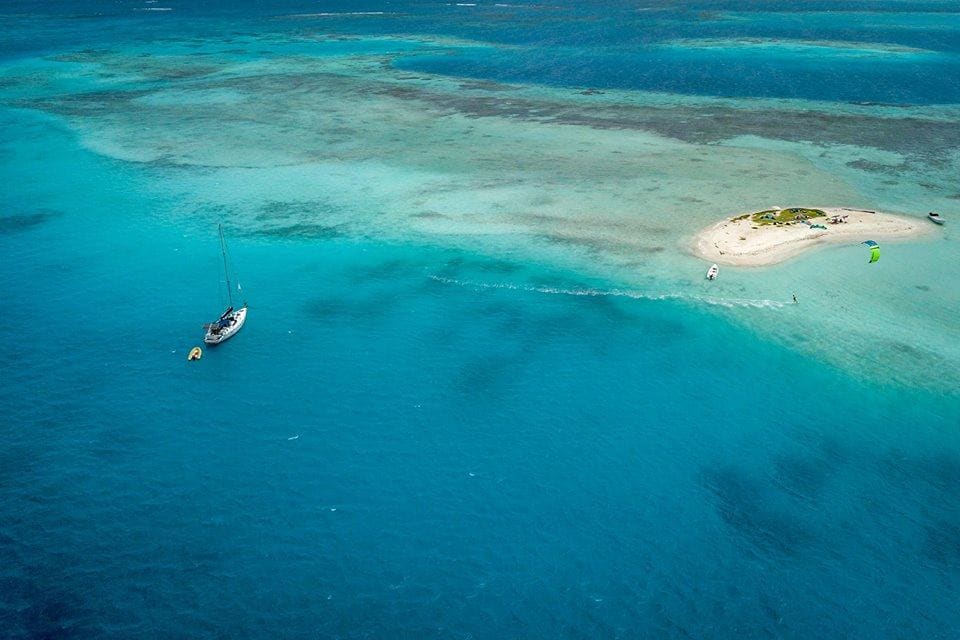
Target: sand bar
column 740, row 241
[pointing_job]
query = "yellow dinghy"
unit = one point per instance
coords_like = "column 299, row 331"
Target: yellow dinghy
column 195, row 354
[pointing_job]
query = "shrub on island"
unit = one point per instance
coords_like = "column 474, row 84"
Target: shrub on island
column 782, row 216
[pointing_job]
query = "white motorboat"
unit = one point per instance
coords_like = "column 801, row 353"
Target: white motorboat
column 712, row 272
column 936, row 217
column 231, row 320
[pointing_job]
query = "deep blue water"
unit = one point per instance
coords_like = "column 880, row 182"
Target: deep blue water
column 611, row 45
column 385, row 453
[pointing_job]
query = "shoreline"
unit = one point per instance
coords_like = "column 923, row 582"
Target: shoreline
column 741, row 242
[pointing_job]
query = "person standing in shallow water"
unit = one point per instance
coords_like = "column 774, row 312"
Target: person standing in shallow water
column 795, row 301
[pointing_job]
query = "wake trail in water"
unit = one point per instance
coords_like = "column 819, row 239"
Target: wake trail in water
column 758, row 303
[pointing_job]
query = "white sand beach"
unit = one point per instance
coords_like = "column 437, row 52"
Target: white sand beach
column 740, row 241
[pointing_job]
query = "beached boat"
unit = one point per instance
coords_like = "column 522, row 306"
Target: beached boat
column 231, row 320
column 712, row 272
column 936, row 217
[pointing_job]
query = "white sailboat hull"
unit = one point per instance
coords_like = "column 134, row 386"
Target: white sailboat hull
column 215, row 336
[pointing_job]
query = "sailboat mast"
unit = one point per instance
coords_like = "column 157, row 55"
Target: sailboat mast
column 226, row 270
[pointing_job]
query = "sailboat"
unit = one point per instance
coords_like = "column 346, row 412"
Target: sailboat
column 231, row 320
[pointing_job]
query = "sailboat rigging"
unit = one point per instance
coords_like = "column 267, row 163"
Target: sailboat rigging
column 231, row 320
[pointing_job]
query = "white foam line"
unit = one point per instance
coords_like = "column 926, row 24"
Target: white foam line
column 636, row 295
column 328, row 14
column 525, row 6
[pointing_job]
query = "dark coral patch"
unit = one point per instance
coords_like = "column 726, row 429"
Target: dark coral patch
column 23, row 221
column 752, row 509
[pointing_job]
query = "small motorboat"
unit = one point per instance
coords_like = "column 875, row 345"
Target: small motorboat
column 195, row 354
column 936, row 217
column 712, row 272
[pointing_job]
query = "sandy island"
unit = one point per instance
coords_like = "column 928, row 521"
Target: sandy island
column 741, row 241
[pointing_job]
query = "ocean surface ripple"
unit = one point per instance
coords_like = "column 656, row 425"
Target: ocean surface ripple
column 484, row 390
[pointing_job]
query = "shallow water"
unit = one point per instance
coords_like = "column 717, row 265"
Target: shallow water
column 483, row 390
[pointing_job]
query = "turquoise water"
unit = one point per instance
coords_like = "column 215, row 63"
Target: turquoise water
column 483, row 391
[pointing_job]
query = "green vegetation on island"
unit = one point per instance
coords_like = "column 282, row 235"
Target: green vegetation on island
column 781, row 216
